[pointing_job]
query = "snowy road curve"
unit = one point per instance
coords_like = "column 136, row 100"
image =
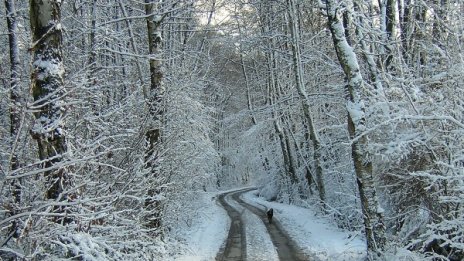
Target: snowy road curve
column 235, row 245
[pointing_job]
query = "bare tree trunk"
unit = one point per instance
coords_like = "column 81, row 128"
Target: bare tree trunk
column 153, row 98
column 15, row 118
column 154, row 101
column 366, row 48
column 284, row 147
column 391, row 30
column 93, row 43
column 272, row 88
column 298, row 71
column 404, row 20
column 132, row 43
column 15, row 100
column 48, row 91
column 372, row 212
column 92, row 62
column 272, row 94
column 245, row 75
column 248, row 94
column 155, row 93
column 440, row 21
column 283, row 138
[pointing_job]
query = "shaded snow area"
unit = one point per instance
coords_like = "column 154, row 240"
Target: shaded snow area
column 317, row 237
column 208, row 231
column 258, row 242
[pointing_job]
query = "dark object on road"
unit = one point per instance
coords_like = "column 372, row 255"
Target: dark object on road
column 270, row 213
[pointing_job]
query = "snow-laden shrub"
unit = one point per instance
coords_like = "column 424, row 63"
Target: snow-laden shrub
column 401, row 254
column 85, row 247
column 269, row 191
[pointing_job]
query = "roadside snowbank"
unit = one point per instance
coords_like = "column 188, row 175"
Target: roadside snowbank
column 208, row 231
column 317, row 237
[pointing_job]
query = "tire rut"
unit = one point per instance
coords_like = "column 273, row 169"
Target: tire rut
column 287, row 249
column 234, row 248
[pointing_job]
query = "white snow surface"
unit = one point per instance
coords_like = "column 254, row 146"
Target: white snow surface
column 207, row 236
column 317, row 237
column 258, row 242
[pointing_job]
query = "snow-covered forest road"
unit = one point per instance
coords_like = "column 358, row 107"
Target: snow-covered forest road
column 232, row 226
column 163, row 130
column 235, row 245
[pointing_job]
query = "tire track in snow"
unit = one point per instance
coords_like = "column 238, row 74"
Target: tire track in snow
column 235, row 246
column 286, row 248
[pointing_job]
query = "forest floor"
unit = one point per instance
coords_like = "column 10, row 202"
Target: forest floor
column 295, row 234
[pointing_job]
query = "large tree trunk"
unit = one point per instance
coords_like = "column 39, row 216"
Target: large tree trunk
column 155, row 92
column 154, row 102
column 48, row 91
column 391, row 30
column 15, row 119
column 372, row 212
column 298, row 72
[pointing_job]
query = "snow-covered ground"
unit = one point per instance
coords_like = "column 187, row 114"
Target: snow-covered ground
column 258, row 242
column 209, row 231
column 317, row 237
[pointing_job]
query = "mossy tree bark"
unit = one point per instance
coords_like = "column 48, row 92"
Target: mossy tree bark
column 47, row 87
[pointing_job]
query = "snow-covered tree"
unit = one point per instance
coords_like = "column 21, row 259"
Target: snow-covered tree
column 372, row 211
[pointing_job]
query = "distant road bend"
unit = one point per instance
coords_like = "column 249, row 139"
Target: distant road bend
column 234, row 248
